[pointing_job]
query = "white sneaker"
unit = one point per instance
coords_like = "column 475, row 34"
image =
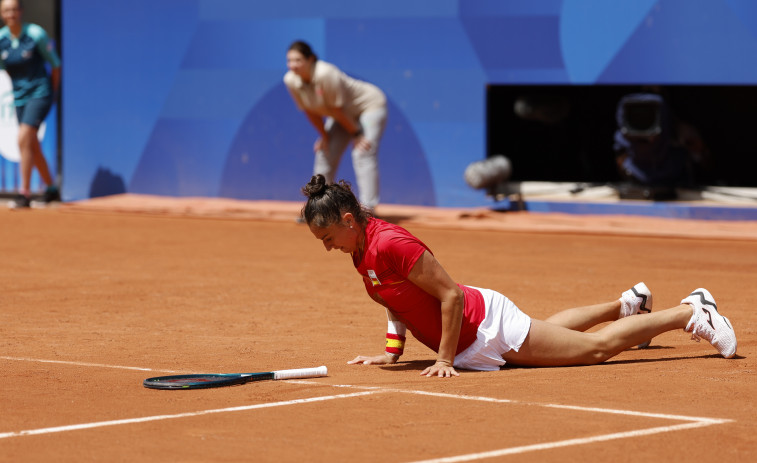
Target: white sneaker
column 707, row 323
column 637, row 300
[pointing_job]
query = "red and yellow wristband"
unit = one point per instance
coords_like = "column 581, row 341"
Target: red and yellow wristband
column 395, row 344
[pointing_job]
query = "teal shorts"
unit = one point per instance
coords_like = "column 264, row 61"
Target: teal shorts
column 34, row 111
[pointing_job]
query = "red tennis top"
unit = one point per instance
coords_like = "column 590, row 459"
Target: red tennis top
column 390, row 252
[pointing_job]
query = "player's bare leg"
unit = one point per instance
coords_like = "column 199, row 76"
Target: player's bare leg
column 548, row 344
column 583, row 318
column 637, row 300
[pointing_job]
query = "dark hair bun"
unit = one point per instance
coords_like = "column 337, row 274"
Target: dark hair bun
column 316, row 187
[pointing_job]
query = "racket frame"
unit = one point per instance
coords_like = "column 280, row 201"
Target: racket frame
column 211, row 380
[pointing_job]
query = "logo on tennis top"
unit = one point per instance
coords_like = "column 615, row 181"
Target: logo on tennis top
column 373, row 277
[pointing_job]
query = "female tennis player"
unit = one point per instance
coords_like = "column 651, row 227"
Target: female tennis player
column 480, row 329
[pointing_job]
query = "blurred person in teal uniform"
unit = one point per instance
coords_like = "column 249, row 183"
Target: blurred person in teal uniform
column 25, row 49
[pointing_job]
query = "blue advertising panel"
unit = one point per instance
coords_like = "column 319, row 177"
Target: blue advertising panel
column 185, row 97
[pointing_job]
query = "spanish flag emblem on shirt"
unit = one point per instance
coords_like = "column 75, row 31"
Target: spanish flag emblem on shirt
column 373, row 277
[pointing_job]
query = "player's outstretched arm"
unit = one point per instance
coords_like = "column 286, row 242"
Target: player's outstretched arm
column 430, row 276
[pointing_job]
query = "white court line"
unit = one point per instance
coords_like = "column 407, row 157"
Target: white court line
column 83, row 364
column 694, row 422
column 539, row 404
column 563, row 443
column 664, row 416
column 146, row 419
column 577, row 408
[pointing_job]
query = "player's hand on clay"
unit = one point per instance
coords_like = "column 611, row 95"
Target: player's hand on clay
column 440, row 369
column 382, row 359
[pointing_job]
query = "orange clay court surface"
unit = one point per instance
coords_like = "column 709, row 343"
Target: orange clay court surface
column 98, row 295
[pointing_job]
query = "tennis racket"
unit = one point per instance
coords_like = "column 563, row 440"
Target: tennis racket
column 209, row 380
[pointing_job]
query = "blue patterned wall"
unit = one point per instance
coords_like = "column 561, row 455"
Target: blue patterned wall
column 185, row 97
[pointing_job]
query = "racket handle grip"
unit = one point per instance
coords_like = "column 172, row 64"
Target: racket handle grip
column 301, row 373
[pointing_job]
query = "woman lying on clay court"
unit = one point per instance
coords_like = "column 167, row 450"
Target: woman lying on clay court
column 480, row 329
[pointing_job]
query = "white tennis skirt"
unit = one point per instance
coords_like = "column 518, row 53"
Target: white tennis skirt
column 504, row 327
